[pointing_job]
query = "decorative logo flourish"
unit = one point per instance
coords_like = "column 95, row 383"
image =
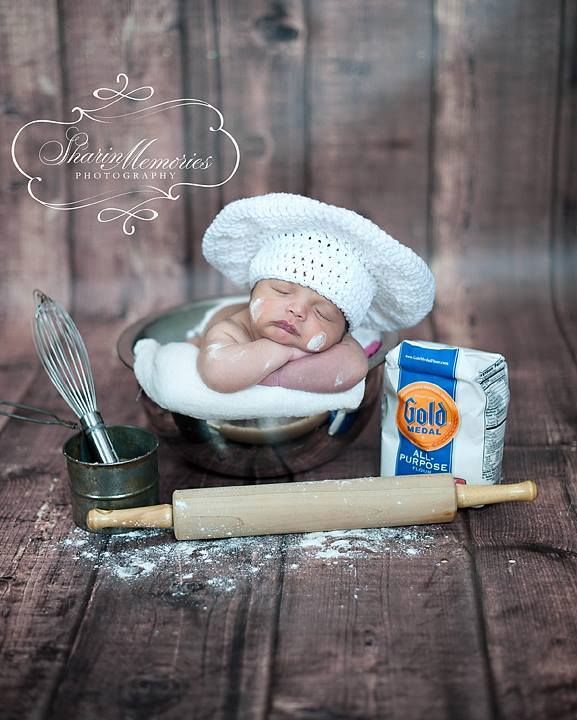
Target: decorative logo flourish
column 133, row 165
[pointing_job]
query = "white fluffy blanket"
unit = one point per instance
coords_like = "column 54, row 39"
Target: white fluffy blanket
column 168, row 375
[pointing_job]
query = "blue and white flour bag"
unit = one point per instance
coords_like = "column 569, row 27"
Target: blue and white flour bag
column 444, row 411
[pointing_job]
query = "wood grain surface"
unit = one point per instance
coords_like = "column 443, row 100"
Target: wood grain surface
column 34, row 250
column 450, row 123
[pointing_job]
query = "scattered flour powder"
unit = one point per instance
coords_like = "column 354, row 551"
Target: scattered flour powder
column 223, row 564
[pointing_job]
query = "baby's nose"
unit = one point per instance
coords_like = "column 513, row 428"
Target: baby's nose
column 297, row 309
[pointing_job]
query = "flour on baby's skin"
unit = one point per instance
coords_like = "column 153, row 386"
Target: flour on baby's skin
column 317, row 342
column 255, row 308
column 213, row 349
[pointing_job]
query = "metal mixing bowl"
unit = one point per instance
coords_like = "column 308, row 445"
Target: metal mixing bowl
column 264, row 447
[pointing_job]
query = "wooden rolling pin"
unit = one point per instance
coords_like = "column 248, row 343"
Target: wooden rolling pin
column 220, row 512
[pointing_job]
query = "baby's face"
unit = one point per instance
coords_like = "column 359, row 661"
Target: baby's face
column 294, row 315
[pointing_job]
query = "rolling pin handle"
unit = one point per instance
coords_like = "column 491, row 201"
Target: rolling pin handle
column 471, row 495
column 150, row 516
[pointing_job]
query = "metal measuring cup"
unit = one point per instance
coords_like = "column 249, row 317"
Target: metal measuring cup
column 130, row 482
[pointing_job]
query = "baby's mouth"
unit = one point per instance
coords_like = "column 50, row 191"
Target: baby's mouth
column 284, row 325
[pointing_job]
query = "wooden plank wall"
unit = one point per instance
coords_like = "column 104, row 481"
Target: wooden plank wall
column 448, row 122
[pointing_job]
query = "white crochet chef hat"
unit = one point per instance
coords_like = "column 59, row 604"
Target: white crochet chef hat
column 374, row 280
column 320, row 262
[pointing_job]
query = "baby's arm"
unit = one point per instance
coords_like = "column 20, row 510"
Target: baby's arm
column 335, row 370
column 228, row 361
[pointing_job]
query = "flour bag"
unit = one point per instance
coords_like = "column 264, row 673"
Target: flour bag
column 444, row 411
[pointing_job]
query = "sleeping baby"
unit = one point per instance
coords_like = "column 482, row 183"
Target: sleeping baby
column 288, row 335
column 316, row 272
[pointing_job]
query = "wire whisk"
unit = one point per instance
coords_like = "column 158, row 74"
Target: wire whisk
column 63, row 355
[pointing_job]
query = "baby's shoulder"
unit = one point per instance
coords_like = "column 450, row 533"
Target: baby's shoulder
column 232, row 328
column 224, row 313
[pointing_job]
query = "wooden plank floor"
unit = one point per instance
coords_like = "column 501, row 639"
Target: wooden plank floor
column 470, row 620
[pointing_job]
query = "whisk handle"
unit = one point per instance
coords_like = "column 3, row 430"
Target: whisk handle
column 95, row 431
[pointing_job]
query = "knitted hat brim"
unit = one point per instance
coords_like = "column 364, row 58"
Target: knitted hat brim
column 404, row 285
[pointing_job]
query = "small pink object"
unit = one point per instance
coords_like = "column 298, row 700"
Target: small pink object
column 372, row 348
